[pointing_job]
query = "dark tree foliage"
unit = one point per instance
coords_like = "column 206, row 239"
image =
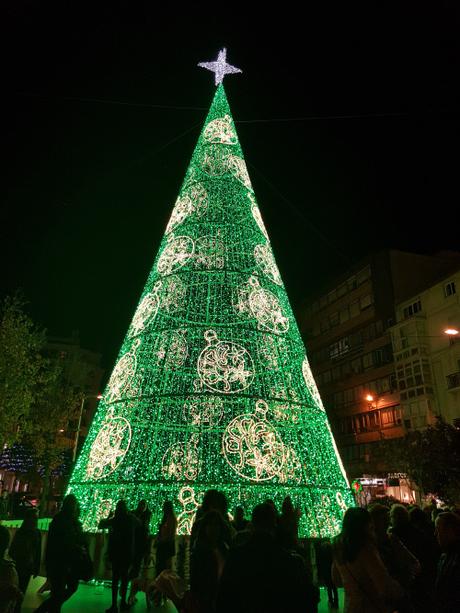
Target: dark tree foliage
column 36, row 400
column 22, row 367
column 431, row 457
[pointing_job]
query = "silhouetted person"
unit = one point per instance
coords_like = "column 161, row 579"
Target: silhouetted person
column 121, row 551
column 207, row 560
column 166, row 538
column 213, row 500
column 271, row 502
column 261, row 577
column 358, row 567
column 424, row 549
column 25, row 550
column 422, row 521
column 142, row 537
column 447, row 590
column 288, row 525
column 10, row 595
column 239, row 522
column 5, row 504
column 143, row 514
column 324, row 561
column 65, row 540
column 142, row 544
column 399, row 561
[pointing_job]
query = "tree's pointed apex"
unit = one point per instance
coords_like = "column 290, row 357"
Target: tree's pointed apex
column 220, row 67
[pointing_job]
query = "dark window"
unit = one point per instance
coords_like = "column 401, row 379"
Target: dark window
column 450, row 289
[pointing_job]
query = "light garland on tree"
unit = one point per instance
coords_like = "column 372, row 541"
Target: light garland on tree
column 212, row 387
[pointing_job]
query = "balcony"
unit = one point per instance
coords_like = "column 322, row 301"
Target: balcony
column 453, row 381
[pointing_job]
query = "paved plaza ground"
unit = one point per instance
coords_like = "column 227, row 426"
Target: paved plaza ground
column 90, row 599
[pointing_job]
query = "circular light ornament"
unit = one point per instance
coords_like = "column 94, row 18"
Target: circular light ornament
column 252, row 447
column 109, row 448
column 176, row 254
column 224, row 366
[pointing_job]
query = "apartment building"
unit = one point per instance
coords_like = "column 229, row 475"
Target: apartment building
column 426, row 348
column 82, row 369
column 348, row 331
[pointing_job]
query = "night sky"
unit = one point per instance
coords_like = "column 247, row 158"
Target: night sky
column 348, row 121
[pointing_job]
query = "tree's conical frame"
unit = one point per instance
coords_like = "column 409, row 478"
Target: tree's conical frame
column 212, row 387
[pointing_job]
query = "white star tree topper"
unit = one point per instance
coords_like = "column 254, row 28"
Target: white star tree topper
column 220, row 67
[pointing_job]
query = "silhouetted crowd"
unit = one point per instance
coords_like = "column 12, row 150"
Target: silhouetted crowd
column 387, row 559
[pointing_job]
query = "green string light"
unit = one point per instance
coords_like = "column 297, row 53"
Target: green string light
column 212, row 387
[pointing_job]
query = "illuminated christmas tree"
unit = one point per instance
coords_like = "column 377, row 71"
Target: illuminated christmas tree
column 212, row 387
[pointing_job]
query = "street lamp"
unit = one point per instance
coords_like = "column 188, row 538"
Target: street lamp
column 370, row 400
column 77, row 436
column 451, row 332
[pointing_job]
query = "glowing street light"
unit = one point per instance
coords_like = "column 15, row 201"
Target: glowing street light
column 451, row 331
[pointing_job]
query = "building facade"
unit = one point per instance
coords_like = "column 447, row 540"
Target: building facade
column 83, row 371
column 427, row 358
column 348, row 330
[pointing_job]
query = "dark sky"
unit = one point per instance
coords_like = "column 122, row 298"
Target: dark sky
column 357, row 150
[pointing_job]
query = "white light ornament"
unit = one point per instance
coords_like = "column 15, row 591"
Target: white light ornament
column 209, row 252
column 194, row 200
column 173, row 349
column 146, row 311
column 257, row 216
column 252, row 446
column 181, row 460
column 224, row 366
column 272, row 356
column 215, row 162
column 237, row 166
column 203, row 411
column 220, row 131
column 190, row 505
column 173, row 294
column 328, row 516
column 265, row 307
column 103, row 509
column 109, row 447
column 122, row 375
column 311, row 384
column 266, row 262
column 176, row 254
column 285, row 412
column 219, row 67
column 341, row 502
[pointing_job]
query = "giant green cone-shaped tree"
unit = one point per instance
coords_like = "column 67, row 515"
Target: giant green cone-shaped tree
column 212, row 387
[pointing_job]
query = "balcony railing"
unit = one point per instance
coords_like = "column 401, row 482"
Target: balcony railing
column 453, row 380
